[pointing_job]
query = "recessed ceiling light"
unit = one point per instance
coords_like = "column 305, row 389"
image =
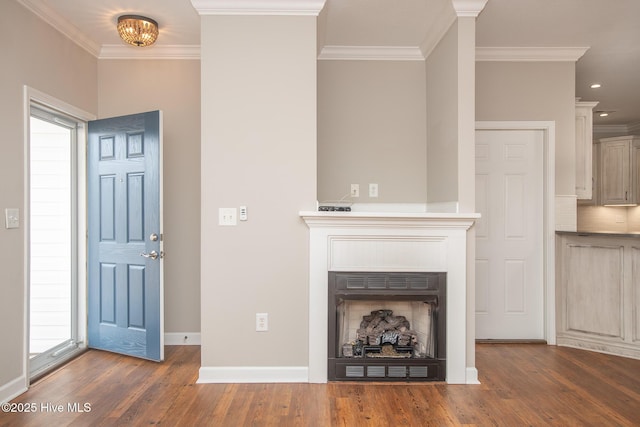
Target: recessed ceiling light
column 596, row 85
column 604, row 114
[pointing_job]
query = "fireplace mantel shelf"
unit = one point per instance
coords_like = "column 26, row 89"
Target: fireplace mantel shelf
column 425, row 219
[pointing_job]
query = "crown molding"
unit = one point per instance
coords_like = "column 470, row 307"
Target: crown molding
column 468, row 8
column 58, row 22
column 121, row 51
column 438, row 31
column 628, row 129
column 258, row 7
column 530, row 54
column 634, row 127
column 611, row 129
column 371, row 53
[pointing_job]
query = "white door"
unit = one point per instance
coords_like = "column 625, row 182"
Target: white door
column 509, row 236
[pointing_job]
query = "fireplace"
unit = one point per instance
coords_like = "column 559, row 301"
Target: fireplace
column 363, row 242
column 386, row 326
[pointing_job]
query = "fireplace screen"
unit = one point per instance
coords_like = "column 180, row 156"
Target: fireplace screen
column 386, row 326
column 395, row 329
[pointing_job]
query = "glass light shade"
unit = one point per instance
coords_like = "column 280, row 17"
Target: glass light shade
column 137, row 30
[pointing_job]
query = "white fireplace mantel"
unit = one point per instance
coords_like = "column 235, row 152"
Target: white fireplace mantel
column 370, row 241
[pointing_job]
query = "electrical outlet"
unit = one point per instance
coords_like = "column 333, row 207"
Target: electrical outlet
column 262, row 322
column 243, row 213
column 355, row 190
column 373, row 190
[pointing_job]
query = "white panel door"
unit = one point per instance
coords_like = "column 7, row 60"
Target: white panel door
column 509, row 236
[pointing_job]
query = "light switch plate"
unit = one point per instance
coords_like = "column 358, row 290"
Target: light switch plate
column 228, row 216
column 12, row 218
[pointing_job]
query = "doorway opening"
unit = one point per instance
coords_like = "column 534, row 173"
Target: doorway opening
column 55, row 221
column 547, row 245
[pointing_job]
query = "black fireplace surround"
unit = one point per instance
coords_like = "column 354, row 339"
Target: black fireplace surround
column 387, row 359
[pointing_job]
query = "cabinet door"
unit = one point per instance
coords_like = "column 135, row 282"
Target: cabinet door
column 584, row 147
column 615, row 172
column 594, row 288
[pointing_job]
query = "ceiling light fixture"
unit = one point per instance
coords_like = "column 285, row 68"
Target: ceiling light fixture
column 137, row 30
column 596, row 86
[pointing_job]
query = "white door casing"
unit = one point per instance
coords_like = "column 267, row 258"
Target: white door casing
column 515, row 237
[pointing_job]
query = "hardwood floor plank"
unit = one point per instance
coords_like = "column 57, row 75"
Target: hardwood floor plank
column 521, row 384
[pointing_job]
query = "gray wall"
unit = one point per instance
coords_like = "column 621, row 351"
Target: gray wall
column 258, row 150
column 36, row 55
column 354, row 127
column 533, row 91
column 442, row 120
column 371, row 129
column 173, row 86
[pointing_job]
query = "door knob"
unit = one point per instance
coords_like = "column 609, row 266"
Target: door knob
column 152, row 255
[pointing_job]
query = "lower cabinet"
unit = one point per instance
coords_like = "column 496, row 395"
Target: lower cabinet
column 598, row 293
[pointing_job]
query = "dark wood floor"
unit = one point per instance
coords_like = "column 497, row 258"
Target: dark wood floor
column 522, row 385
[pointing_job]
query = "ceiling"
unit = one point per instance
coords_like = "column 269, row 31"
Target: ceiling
column 608, row 28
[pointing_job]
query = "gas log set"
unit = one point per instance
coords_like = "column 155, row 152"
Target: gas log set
column 381, row 334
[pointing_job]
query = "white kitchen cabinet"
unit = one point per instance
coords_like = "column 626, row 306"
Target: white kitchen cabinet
column 619, row 175
column 583, row 149
column 598, row 293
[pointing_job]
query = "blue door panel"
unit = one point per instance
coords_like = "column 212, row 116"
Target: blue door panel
column 136, row 296
column 135, row 204
column 107, row 208
column 108, row 293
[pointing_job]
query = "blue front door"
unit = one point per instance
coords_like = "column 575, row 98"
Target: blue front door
column 125, row 295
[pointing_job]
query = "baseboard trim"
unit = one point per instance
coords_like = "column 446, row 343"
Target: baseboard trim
column 253, row 374
column 182, row 338
column 503, row 341
column 13, row 389
column 600, row 346
column 472, row 376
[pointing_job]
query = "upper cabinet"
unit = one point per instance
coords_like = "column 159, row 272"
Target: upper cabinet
column 619, row 175
column 584, row 142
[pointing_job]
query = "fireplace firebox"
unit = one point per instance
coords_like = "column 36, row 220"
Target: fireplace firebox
column 387, row 326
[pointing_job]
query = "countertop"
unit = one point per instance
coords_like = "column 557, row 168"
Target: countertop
column 599, row 234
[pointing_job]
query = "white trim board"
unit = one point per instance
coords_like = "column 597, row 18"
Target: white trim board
column 13, row 389
column 371, row 53
column 549, row 129
column 121, row 51
column 253, row 374
column 258, row 7
column 530, row 54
